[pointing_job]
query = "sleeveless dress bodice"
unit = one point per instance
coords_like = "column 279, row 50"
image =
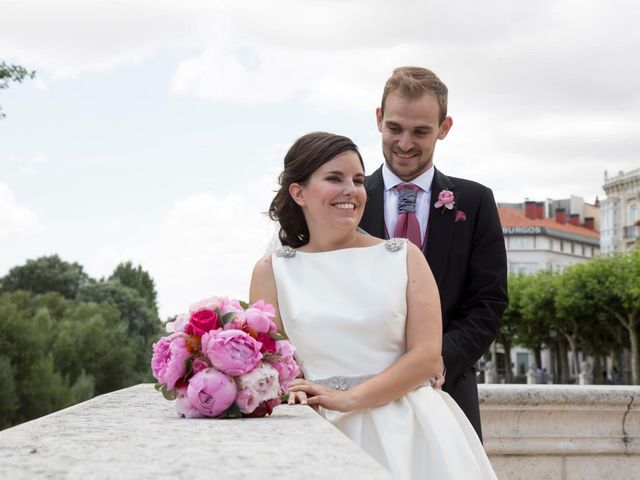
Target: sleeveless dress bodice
column 345, row 312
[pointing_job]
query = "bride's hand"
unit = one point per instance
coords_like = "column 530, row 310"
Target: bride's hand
column 318, row 395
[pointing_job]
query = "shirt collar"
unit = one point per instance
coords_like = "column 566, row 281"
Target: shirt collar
column 423, row 180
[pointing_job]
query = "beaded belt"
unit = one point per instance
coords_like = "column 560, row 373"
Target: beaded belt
column 345, row 383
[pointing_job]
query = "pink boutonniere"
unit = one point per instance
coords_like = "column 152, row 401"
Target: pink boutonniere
column 446, row 199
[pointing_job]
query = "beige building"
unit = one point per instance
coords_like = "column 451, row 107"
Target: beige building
column 620, row 230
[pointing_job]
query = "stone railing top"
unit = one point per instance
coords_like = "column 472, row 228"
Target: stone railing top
column 519, row 396
column 135, row 433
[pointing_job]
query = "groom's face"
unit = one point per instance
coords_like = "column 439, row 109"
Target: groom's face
column 410, row 129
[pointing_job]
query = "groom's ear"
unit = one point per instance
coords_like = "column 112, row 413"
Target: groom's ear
column 445, row 126
column 297, row 193
column 379, row 118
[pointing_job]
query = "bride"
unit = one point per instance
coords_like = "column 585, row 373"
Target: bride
column 364, row 315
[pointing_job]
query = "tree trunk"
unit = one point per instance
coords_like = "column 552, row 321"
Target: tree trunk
column 565, row 375
column 508, row 370
column 635, row 359
column 537, row 351
column 598, row 378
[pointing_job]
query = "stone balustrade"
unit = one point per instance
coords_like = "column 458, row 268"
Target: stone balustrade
column 562, row 432
column 541, row 432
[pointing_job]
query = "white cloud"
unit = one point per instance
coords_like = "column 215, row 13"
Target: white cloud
column 16, row 221
column 204, row 246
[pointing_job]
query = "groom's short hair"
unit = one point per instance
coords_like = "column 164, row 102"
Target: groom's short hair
column 413, row 82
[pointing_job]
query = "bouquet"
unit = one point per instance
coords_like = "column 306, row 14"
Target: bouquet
column 224, row 359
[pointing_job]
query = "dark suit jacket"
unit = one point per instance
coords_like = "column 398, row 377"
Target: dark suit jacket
column 468, row 261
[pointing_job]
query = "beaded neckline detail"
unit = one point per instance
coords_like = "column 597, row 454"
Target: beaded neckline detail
column 394, row 244
column 285, row 251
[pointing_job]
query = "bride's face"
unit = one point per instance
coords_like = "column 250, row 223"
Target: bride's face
column 334, row 195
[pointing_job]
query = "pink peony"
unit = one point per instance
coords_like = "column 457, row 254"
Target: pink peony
column 257, row 386
column 202, row 321
column 445, row 199
column 287, row 367
column 260, row 317
column 211, row 392
column 233, row 352
column 237, row 323
column 169, row 361
column 227, row 305
column 184, row 407
column 198, row 365
column 178, row 325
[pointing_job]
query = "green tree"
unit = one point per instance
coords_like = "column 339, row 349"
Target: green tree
column 24, row 338
column 92, row 342
column 143, row 325
column 139, row 280
column 12, row 73
column 538, row 312
column 511, row 319
column 44, row 275
column 613, row 290
column 582, row 320
column 9, row 400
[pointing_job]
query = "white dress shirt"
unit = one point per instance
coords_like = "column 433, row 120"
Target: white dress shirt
column 391, row 199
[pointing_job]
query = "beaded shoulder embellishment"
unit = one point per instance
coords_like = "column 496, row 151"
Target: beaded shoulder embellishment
column 285, row 251
column 394, row 244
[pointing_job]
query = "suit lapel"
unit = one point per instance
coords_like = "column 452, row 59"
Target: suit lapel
column 440, row 229
column 373, row 217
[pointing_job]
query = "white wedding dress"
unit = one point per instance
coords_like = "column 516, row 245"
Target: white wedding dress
column 344, row 310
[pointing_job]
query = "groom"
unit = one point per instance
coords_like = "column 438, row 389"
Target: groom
column 454, row 221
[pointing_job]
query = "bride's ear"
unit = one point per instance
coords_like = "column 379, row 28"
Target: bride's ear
column 297, row 193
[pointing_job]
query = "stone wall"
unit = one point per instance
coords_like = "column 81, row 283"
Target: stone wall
column 135, row 433
column 562, row 432
column 541, row 432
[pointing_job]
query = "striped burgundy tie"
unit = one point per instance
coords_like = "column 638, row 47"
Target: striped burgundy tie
column 407, row 225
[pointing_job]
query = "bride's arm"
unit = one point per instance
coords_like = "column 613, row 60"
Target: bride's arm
column 421, row 362
column 263, row 287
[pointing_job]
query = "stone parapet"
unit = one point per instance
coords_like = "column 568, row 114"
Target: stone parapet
column 562, row 432
column 544, row 432
column 135, row 433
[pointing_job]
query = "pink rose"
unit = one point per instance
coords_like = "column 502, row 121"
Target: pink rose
column 260, row 317
column 286, row 366
column 445, row 199
column 233, row 352
column 265, row 408
column 257, row 386
column 169, row 361
column 268, row 344
column 184, row 407
column 211, row 392
column 202, row 321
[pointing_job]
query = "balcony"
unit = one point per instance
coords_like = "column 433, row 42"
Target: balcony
column 631, row 232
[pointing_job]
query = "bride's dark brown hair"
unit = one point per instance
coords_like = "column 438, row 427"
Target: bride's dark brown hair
column 305, row 156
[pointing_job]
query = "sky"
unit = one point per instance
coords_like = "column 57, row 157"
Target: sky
column 155, row 131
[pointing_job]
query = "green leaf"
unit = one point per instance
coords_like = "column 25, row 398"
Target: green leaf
column 168, row 394
column 232, row 412
column 271, row 357
column 227, row 317
column 278, row 336
column 243, row 304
